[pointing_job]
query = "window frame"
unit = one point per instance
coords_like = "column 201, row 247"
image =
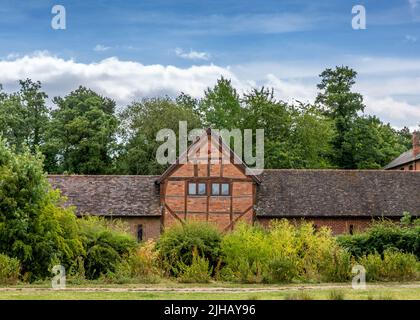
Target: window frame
column 196, row 188
column 220, row 194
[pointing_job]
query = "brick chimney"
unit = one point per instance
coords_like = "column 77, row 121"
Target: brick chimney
column 416, row 143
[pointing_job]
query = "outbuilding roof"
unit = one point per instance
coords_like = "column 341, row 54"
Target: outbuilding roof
column 110, row 195
column 338, row 193
column 404, row 158
column 282, row 193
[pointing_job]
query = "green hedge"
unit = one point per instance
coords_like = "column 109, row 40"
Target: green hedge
column 177, row 245
column 9, row 270
column 382, row 236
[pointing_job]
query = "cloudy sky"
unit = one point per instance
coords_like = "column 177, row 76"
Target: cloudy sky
column 137, row 48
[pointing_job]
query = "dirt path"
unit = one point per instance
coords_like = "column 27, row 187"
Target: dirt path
column 213, row 289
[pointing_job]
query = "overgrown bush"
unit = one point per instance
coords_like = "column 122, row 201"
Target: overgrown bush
column 177, row 244
column 199, row 271
column 34, row 228
column 381, row 236
column 283, row 253
column 145, row 263
column 9, row 269
column 393, row 266
column 105, row 244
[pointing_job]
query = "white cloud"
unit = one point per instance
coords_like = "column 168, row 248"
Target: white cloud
column 391, row 93
column 289, row 90
column 120, row 80
column 401, row 112
column 101, row 48
column 192, row 55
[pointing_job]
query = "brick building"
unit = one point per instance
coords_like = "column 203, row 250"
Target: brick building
column 214, row 186
column 409, row 160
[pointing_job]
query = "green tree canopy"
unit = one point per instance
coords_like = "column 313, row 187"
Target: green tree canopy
column 220, row 108
column 33, row 227
column 141, row 122
column 82, row 134
column 24, row 115
column 342, row 105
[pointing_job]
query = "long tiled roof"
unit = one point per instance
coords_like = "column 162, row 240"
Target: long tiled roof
column 110, row 195
column 335, row 193
column 282, row 193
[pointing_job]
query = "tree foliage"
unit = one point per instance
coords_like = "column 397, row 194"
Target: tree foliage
column 82, row 134
column 24, row 115
column 141, row 121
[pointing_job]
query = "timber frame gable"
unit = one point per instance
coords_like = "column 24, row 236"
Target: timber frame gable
column 210, row 185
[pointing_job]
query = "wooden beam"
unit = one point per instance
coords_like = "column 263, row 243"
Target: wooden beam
column 185, row 199
column 174, row 214
column 230, row 226
column 215, row 179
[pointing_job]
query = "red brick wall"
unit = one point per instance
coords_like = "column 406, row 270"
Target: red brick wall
column 223, row 211
column 151, row 226
column 337, row 225
column 415, row 165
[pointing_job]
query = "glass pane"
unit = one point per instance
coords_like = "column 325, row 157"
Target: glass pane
column 201, row 188
column 225, row 189
column 215, row 189
column 192, row 188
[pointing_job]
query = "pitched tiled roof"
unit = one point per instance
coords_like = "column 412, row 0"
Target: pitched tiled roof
column 110, row 195
column 338, row 193
column 404, row 158
column 282, row 193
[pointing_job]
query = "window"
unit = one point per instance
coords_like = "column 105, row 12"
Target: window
column 222, row 189
column 197, row 189
column 215, row 189
column 192, row 188
column 351, row 229
column 140, row 232
column 201, row 189
column 225, row 189
column 410, row 167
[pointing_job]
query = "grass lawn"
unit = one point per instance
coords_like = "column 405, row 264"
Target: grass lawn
column 383, row 291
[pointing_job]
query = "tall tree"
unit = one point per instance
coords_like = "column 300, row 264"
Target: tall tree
column 342, row 105
column 82, row 134
column 140, row 123
column 262, row 111
column 311, row 136
column 372, row 143
column 24, row 115
column 220, row 108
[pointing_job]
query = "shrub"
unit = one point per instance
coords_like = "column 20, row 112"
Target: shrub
column 177, row 244
column 9, row 270
column 144, row 262
column 336, row 266
column 105, row 246
column 34, row 228
column 400, row 266
column 283, row 269
column 76, row 273
column 384, row 235
column 282, row 253
column 198, row 272
column 394, row 265
column 120, row 273
column 246, row 253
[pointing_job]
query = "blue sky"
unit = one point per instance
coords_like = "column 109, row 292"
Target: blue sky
column 131, row 49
